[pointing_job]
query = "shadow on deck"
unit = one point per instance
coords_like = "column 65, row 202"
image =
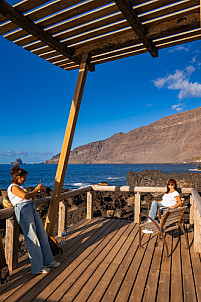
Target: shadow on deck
column 102, row 262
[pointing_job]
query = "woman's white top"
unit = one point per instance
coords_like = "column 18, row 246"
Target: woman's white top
column 169, row 199
column 13, row 198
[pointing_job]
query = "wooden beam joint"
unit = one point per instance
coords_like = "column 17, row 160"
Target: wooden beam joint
column 130, row 15
column 86, row 58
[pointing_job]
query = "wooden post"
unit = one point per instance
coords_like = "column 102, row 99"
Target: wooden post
column 89, row 205
column 2, row 254
column 12, row 243
column 63, row 212
column 65, row 152
column 137, row 207
column 191, row 210
column 197, row 230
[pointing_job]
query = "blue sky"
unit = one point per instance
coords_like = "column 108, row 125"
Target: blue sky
column 118, row 97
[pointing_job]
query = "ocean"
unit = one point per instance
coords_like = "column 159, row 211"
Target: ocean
column 78, row 176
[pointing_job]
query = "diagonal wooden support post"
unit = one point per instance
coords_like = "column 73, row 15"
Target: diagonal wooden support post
column 67, row 143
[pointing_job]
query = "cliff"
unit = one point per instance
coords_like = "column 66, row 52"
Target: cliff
column 172, row 139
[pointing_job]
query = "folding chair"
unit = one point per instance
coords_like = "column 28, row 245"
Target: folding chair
column 170, row 220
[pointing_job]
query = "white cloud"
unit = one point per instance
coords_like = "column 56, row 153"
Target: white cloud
column 179, row 48
column 180, row 80
column 149, row 105
column 193, row 60
column 23, row 153
column 178, row 107
column 190, row 69
column 13, row 153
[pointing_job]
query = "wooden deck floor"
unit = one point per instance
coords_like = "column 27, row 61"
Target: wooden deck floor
column 102, row 262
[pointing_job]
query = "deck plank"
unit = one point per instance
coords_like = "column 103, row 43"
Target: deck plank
column 74, row 254
column 131, row 274
column 58, row 287
column 165, row 275
column 196, row 263
column 105, row 272
column 176, row 274
column 87, row 268
column 187, row 274
column 140, row 283
column 154, row 273
column 28, row 281
column 124, row 264
column 102, row 261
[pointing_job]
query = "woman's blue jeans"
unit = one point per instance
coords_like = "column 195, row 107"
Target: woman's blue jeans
column 154, row 209
column 35, row 236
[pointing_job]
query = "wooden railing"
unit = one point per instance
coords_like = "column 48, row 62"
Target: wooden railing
column 196, row 217
column 12, row 228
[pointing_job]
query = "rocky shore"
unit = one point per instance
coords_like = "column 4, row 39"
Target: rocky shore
column 155, row 178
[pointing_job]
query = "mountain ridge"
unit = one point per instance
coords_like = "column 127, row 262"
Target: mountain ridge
column 171, row 139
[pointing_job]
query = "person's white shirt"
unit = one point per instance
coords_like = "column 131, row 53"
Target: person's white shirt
column 13, row 198
column 169, row 199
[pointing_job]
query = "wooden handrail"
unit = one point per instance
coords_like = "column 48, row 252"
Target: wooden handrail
column 197, row 200
column 9, row 212
column 196, row 209
column 136, row 189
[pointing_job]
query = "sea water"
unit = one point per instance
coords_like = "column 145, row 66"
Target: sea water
column 78, row 176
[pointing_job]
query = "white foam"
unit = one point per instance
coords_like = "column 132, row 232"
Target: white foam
column 79, row 184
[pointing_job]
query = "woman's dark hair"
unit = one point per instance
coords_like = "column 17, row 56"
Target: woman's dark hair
column 16, row 172
column 171, row 181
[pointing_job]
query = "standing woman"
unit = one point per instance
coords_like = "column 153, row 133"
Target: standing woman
column 34, row 233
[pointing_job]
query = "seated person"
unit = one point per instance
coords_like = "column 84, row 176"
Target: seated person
column 170, row 200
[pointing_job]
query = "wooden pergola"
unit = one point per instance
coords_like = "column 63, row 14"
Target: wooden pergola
column 76, row 34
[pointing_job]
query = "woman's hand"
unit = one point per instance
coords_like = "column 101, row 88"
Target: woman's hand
column 39, row 187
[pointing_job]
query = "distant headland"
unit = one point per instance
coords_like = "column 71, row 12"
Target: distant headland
column 172, row 139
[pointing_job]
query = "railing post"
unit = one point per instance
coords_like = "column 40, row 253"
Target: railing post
column 89, row 205
column 197, row 229
column 137, row 207
column 63, row 212
column 12, row 243
column 192, row 206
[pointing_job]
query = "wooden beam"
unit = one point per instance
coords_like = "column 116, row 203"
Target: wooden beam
column 127, row 38
column 67, row 143
column 130, row 15
column 29, row 26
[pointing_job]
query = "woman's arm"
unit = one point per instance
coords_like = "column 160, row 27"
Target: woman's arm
column 179, row 202
column 20, row 193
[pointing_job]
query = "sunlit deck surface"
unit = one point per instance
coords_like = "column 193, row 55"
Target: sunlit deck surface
column 102, row 262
